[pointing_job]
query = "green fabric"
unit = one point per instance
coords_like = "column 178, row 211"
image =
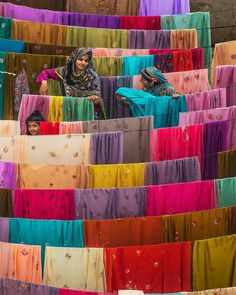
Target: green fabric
column 77, row 109
column 108, row 66
column 92, row 37
column 54, row 88
column 227, row 164
column 5, row 27
column 2, row 82
column 47, row 233
column 226, row 191
column 164, row 109
column 214, row 263
column 197, row 20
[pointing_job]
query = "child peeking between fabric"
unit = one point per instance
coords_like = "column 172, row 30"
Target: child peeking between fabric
column 33, row 123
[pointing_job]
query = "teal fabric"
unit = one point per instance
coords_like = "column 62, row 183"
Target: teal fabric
column 164, row 109
column 133, row 65
column 196, row 20
column 2, row 79
column 226, row 191
column 7, row 45
column 5, row 27
column 47, row 233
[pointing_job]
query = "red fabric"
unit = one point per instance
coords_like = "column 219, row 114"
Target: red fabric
column 154, row 269
column 44, row 204
column 49, row 128
column 198, row 58
column 182, row 60
column 140, row 22
column 160, row 51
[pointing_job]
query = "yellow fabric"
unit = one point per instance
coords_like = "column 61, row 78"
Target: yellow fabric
column 92, row 37
column 120, row 175
column 108, row 66
column 183, row 39
column 55, row 112
column 75, row 268
column 214, row 263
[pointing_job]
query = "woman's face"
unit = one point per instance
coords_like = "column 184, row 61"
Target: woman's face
column 33, row 128
column 82, row 63
column 145, row 82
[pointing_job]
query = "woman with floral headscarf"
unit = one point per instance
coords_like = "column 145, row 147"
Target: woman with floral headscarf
column 77, row 78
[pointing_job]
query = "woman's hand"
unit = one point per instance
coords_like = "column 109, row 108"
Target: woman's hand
column 175, row 95
column 95, row 99
column 122, row 99
column 43, row 90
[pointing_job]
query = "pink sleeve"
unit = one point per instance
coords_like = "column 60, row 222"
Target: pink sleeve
column 47, row 74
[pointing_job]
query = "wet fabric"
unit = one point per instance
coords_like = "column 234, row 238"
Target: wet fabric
column 122, row 232
column 209, row 258
column 167, row 268
column 43, row 204
column 110, row 203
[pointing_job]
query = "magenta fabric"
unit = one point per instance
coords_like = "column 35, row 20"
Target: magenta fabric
column 8, row 175
column 180, row 198
column 44, row 204
column 205, row 100
column 140, row 22
column 29, row 104
column 226, row 77
column 176, row 142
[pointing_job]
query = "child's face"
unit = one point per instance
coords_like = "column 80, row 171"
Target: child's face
column 33, row 128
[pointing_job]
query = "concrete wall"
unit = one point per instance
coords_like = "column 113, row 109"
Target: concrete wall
column 223, row 15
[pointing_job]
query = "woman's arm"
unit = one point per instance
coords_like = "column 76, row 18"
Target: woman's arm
column 43, row 77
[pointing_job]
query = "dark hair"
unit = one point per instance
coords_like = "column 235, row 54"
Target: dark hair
column 34, row 117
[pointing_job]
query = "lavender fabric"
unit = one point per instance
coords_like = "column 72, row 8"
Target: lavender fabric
column 98, row 204
column 12, row 287
column 4, row 229
column 158, row 7
column 113, row 107
column 91, row 20
column 7, row 175
column 149, row 39
column 215, row 140
column 43, row 290
column 107, row 148
column 172, row 171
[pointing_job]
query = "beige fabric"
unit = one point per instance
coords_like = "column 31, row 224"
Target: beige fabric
column 9, row 127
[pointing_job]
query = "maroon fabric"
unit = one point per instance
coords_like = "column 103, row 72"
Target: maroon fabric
column 140, row 22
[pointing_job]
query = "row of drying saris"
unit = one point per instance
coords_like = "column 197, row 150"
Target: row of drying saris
column 101, row 204
column 173, row 267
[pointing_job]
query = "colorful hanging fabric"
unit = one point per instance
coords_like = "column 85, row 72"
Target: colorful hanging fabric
column 55, row 111
column 182, row 61
column 183, row 39
column 152, row 7
column 226, row 189
column 49, row 128
column 9, row 127
column 180, row 198
column 8, row 175
column 71, row 128
column 133, row 65
column 21, row 87
column 77, row 109
column 39, row 204
column 5, row 27
column 149, row 39
column 6, row 203
column 7, row 45
column 164, row 62
column 2, row 82
column 140, row 23
column 122, row 232
column 198, row 58
column 227, row 164
column 108, row 66
column 154, row 269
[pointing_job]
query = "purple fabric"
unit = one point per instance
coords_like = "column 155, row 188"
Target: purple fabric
column 155, row 7
column 91, row 20
column 226, row 77
column 43, row 290
column 107, row 148
column 98, row 204
column 32, row 14
column 215, row 140
column 12, row 287
column 172, row 171
column 149, row 39
column 212, row 99
column 7, row 175
column 113, row 107
column 164, row 62
column 4, row 229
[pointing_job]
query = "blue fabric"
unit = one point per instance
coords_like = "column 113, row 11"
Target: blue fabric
column 133, row 65
column 7, row 45
column 164, row 109
column 2, row 81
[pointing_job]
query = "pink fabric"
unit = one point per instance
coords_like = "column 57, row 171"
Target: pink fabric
column 29, row 104
column 180, row 198
column 213, row 115
column 226, row 77
column 1, row 8
column 176, row 142
column 185, row 82
column 44, row 204
column 71, row 128
column 46, row 74
column 211, row 99
column 109, row 52
column 72, row 292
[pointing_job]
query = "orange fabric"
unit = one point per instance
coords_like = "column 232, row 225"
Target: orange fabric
column 123, row 232
column 183, row 39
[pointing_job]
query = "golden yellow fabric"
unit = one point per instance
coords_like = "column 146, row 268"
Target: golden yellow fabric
column 214, row 263
column 92, row 37
column 55, row 112
column 183, row 39
column 119, row 175
column 40, row 33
